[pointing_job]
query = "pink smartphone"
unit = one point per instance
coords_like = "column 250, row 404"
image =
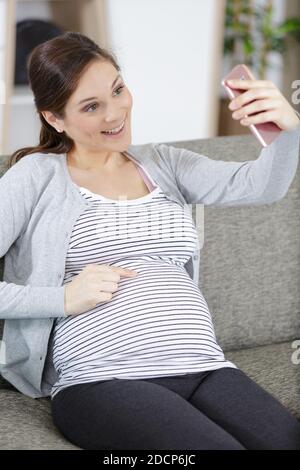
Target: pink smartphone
column 265, row 132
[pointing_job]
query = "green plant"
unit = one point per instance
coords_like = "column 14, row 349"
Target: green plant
column 250, row 33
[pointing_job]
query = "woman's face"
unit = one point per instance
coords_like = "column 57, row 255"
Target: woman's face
column 100, row 102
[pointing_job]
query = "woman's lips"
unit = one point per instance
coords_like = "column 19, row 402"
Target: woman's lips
column 116, row 136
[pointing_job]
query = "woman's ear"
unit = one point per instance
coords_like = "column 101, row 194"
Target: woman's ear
column 52, row 120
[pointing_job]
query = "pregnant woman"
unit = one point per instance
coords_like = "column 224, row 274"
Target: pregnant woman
column 102, row 306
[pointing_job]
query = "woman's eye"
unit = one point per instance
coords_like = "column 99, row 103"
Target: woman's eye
column 95, row 104
column 120, row 88
column 90, row 107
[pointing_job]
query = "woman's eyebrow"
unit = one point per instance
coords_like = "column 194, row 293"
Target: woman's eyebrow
column 95, row 97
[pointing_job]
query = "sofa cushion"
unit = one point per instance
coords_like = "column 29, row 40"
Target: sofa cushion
column 271, row 366
column 26, row 423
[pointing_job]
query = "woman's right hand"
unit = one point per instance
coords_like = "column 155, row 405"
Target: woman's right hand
column 93, row 285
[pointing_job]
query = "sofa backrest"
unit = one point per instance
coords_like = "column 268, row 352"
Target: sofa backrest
column 249, row 267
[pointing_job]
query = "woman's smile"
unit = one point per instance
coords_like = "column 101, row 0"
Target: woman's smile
column 117, row 135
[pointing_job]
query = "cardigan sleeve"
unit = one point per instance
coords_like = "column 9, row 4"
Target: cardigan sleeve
column 24, row 302
column 18, row 195
column 216, row 182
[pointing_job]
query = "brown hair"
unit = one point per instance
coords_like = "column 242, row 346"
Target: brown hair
column 54, row 68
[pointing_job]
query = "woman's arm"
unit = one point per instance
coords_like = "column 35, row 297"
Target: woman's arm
column 216, row 182
column 24, row 302
column 18, row 195
column 262, row 181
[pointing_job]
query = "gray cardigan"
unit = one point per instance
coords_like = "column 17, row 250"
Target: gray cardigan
column 39, row 204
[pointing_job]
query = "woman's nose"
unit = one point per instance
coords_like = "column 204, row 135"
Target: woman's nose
column 113, row 115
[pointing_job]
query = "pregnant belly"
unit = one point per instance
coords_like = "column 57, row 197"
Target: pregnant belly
column 159, row 313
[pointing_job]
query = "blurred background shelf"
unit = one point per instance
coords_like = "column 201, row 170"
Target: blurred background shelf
column 18, row 116
column 22, row 94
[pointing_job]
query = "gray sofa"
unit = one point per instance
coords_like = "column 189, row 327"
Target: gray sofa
column 250, row 277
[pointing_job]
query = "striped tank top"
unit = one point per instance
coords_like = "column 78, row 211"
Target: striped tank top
column 156, row 323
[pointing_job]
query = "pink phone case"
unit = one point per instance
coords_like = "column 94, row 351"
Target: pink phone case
column 265, row 132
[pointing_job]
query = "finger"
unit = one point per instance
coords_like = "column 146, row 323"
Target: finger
column 110, row 275
column 124, row 271
column 108, row 286
column 252, row 95
column 268, row 116
column 256, row 107
column 245, row 84
column 118, row 269
column 98, row 267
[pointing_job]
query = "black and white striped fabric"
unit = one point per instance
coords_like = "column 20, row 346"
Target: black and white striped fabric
column 158, row 322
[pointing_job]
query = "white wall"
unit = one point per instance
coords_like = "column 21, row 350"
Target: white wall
column 170, row 52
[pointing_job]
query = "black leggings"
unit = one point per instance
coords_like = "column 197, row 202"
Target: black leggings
column 219, row 409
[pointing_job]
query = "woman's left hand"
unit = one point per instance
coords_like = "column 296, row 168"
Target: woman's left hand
column 265, row 98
